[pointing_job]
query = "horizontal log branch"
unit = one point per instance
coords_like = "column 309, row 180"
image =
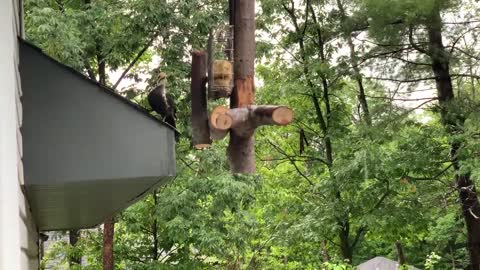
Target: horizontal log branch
column 216, row 120
column 217, row 134
column 246, row 119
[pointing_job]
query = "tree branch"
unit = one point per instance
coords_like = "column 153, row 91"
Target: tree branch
column 134, row 61
column 359, row 234
column 467, row 54
column 435, row 177
column 411, row 62
column 291, row 161
column 388, row 53
column 412, row 42
column 466, row 75
column 403, row 99
column 90, row 72
column 402, row 81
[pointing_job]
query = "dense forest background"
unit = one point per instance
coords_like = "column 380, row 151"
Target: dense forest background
column 384, row 151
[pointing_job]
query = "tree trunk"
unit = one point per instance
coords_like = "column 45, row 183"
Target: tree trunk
column 400, row 254
column 356, row 70
column 241, row 149
column 73, row 259
column 108, row 232
column 345, row 247
column 323, row 121
column 155, row 254
column 324, row 252
column 453, row 123
column 199, row 116
column 42, row 238
column 102, row 75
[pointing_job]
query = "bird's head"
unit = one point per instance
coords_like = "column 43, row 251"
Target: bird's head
column 161, row 79
column 162, row 76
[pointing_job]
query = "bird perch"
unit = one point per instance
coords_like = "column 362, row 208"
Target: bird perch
column 246, row 119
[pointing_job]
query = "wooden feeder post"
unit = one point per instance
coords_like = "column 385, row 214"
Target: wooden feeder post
column 241, row 148
column 243, row 117
column 200, row 128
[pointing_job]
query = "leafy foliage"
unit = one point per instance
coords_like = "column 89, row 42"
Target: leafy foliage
column 335, row 188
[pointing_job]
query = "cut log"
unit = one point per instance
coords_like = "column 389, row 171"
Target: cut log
column 244, row 121
column 199, row 118
column 250, row 117
column 217, row 134
column 272, row 115
column 217, row 112
column 224, row 121
column 217, row 123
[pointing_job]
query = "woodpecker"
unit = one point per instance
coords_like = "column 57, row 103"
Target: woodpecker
column 161, row 102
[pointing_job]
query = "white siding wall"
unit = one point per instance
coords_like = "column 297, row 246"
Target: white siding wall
column 18, row 234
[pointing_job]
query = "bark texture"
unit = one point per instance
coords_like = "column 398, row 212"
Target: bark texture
column 155, row 253
column 102, row 74
column 107, row 252
column 453, row 123
column 400, row 254
column 73, row 237
column 362, row 99
column 246, row 119
column 241, row 149
column 216, row 132
column 199, row 116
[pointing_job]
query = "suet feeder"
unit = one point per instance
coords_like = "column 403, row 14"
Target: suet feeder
column 220, row 62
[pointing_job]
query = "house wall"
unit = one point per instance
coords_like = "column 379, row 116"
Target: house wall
column 18, row 234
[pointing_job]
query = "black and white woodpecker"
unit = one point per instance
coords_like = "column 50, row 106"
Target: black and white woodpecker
column 161, row 102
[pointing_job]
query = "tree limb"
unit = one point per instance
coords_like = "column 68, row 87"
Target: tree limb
column 90, row 72
column 402, row 81
column 359, row 234
column 412, row 42
column 134, row 61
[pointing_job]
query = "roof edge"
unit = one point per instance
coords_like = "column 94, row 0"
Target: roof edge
column 105, row 88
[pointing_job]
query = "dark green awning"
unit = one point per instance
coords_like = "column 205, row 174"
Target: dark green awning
column 88, row 152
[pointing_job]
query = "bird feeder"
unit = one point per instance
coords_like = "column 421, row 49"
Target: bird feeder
column 220, row 63
column 226, row 72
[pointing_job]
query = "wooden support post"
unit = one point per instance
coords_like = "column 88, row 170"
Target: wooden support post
column 210, row 54
column 243, row 117
column 107, row 252
column 241, row 148
column 199, row 117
